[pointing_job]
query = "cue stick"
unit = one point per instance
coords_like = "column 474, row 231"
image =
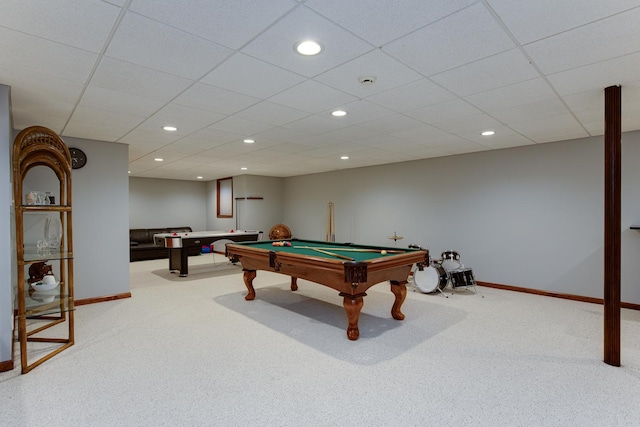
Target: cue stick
column 389, row 251
column 332, row 254
column 333, row 223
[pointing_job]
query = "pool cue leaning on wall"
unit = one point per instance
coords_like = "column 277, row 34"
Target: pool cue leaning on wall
column 331, row 224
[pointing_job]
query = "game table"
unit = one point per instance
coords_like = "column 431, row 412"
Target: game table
column 349, row 268
column 179, row 242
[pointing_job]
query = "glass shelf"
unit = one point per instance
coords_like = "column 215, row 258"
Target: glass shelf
column 44, row 208
column 32, row 254
column 43, row 303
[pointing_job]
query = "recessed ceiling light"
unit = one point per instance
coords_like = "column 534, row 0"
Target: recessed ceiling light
column 158, row 159
column 198, row 177
column 344, row 158
column 338, row 113
column 244, row 169
column 128, row 171
column 488, row 133
column 308, row 47
column 249, row 141
column 170, row 128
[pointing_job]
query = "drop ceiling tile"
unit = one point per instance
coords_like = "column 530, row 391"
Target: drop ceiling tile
column 270, row 113
column 279, row 134
column 155, row 138
column 276, row 45
column 180, row 147
column 231, row 23
column 250, row 76
column 134, row 79
column 471, row 125
column 532, row 20
column 423, row 134
column 38, row 86
column 27, row 111
column 362, row 111
column 617, row 71
column 489, row 73
column 350, row 133
column 24, row 52
column 391, row 143
column 460, row 38
column 240, row 126
column 96, row 131
column 148, row 43
column 312, row 97
column 316, row 124
column 451, row 110
column 535, row 110
column 417, row 94
column 550, row 129
column 393, row 123
column 186, row 119
column 81, row 24
column 111, row 100
column 209, row 138
column 599, row 41
column 387, row 72
column 106, row 118
column 375, row 20
column 526, row 92
column 215, row 99
column 504, row 139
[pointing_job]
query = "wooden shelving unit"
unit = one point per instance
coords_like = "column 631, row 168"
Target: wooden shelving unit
column 41, row 315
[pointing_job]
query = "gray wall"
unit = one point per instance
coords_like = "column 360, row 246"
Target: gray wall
column 168, row 203
column 6, row 227
column 101, row 219
column 529, row 216
column 250, row 214
column 156, row 203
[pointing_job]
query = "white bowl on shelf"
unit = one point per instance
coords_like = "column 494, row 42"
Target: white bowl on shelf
column 41, row 286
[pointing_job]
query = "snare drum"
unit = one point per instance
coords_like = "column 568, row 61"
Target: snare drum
column 450, row 260
column 462, row 277
column 430, row 278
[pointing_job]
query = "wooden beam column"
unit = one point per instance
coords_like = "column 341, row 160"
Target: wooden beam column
column 612, row 230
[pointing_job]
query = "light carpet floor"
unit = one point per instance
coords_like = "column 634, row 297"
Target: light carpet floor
column 192, row 352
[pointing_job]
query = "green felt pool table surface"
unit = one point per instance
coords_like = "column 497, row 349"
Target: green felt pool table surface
column 303, row 247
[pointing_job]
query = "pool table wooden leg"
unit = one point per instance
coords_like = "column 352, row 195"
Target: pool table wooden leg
column 399, row 289
column 294, row 283
column 353, row 305
column 249, row 275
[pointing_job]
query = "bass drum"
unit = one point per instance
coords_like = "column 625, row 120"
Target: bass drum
column 430, row 278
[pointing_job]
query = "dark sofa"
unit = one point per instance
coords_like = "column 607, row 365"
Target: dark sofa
column 141, row 246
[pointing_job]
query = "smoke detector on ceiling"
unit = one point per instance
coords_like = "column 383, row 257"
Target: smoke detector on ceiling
column 367, row 80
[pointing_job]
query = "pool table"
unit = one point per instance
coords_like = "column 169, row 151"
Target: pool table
column 349, row 268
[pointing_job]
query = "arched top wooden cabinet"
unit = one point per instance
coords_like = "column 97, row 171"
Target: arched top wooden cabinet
column 44, row 246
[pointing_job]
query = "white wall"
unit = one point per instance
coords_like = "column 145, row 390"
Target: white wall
column 6, row 228
column 529, row 216
column 157, row 203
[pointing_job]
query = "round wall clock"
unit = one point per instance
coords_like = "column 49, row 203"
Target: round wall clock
column 78, row 158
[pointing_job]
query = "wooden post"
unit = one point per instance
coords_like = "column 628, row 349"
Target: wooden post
column 612, row 230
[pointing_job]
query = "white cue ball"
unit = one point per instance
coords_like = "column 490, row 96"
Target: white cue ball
column 383, row 252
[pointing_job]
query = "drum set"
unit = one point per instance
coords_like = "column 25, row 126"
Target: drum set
column 440, row 272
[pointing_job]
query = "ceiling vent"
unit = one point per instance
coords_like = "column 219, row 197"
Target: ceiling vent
column 367, row 80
